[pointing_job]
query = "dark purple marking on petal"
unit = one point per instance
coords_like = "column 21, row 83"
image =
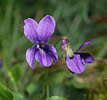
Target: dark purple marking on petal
column 46, row 28
column 84, row 44
column 52, row 52
column 87, row 57
column 75, row 64
column 43, row 58
column 30, row 29
column 30, row 56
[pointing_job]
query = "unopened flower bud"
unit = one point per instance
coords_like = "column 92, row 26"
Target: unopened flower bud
column 66, row 48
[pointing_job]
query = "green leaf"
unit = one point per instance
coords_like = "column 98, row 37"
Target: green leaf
column 56, row 98
column 15, row 75
column 32, row 87
column 78, row 85
column 33, row 91
column 18, row 96
column 16, row 72
column 5, row 93
column 56, row 77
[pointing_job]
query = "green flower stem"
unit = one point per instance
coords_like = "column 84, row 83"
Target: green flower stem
column 47, row 83
column 47, row 90
column 43, row 90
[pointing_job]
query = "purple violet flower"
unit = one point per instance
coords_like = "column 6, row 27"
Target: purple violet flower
column 39, row 34
column 0, row 63
column 76, row 61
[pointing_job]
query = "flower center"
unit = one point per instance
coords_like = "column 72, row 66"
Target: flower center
column 40, row 45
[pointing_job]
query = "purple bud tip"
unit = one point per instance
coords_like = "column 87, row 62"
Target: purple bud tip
column 0, row 63
column 64, row 42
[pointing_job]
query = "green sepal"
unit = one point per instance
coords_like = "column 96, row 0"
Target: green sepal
column 68, row 50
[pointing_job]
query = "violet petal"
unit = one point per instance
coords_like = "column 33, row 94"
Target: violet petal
column 84, row 44
column 30, row 29
column 30, row 56
column 87, row 57
column 52, row 52
column 46, row 28
column 75, row 64
column 0, row 63
column 43, row 58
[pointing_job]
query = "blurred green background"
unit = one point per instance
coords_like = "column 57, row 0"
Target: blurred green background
column 80, row 21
